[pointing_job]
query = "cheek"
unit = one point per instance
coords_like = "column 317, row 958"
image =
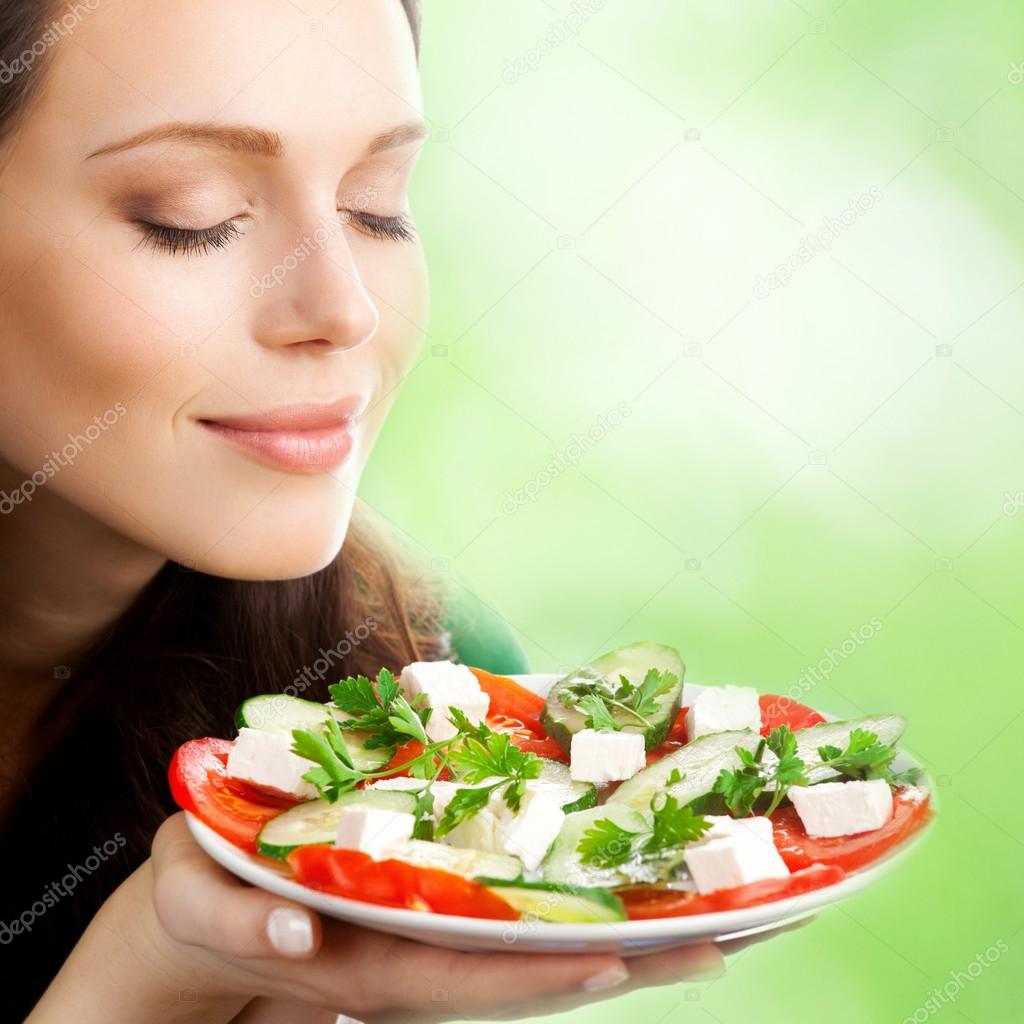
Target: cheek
column 73, row 347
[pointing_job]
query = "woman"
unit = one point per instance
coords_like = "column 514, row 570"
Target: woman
column 211, row 289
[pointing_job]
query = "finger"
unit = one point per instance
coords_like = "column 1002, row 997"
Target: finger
column 198, row 903
column 363, row 973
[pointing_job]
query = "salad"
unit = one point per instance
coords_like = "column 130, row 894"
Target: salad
column 622, row 794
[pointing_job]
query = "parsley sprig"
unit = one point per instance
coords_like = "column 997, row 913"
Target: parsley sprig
column 484, row 756
column 597, row 697
column 865, row 757
column 741, row 788
column 380, row 710
column 608, row 845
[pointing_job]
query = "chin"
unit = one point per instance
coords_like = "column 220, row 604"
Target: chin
column 274, row 543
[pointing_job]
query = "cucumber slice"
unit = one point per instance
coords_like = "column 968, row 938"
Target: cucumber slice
column 461, row 860
column 316, row 821
column 548, row 901
column 888, row 728
column 698, row 763
column 555, row 781
column 280, row 713
column 632, row 662
column 563, row 865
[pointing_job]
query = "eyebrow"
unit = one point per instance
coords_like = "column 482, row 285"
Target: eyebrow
column 249, row 139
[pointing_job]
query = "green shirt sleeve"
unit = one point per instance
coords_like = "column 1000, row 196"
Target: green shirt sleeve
column 480, row 636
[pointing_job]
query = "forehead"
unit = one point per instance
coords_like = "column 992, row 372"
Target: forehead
column 132, row 63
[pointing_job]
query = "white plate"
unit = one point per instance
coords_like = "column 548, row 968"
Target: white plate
column 626, row 938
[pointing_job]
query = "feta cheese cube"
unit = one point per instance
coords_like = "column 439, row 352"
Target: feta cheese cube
column 842, row 808
column 734, row 852
column 373, row 830
column 445, row 684
column 265, row 759
column 723, row 708
column 606, row 756
column 529, row 833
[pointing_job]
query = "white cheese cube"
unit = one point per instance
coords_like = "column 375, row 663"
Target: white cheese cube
column 445, row 685
column 690, row 692
column 606, row 756
column 265, row 759
column 734, row 852
column 721, row 709
column 373, row 830
column 528, row 833
column 842, row 808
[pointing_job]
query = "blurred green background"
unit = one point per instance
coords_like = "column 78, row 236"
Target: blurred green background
column 623, row 426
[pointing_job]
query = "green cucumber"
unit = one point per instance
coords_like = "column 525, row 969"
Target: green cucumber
column 279, row 713
column 698, row 763
column 888, row 729
column 555, row 781
column 633, row 662
column 549, row 901
column 461, row 860
column 563, row 865
column 316, row 821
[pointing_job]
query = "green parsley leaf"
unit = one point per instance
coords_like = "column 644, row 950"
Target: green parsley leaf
column 673, row 826
column 864, row 758
column 741, row 788
column 380, row 710
column 644, row 699
column 335, row 772
column 598, row 716
column 606, row 845
column 463, row 805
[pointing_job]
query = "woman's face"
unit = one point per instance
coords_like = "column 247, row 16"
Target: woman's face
column 209, row 288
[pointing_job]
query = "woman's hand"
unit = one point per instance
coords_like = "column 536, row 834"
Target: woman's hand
column 183, row 940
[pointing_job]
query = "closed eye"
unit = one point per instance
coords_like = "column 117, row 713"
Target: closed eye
column 398, row 228
column 188, row 241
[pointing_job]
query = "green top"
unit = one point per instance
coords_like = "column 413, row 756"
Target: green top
column 481, row 637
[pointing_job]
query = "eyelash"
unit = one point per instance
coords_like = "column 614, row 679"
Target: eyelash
column 201, row 241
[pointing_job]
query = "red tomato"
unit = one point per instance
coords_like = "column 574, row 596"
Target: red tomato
column 409, row 752
column 234, row 810
column 643, row 903
column 798, row 849
column 394, row 883
column 776, row 711
column 675, row 739
column 511, row 700
column 543, row 747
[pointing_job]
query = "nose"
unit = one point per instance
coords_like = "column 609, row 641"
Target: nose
column 314, row 296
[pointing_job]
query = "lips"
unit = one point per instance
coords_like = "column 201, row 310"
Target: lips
column 301, row 438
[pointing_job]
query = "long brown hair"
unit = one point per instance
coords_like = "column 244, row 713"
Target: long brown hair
column 174, row 667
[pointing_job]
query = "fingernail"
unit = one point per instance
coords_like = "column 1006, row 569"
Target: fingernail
column 608, row 978
column 290, row 931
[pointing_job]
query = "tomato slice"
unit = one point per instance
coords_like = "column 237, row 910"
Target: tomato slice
column 776, row 711
column 510, row 699
column 643, row 903
column 394, row 883
column 673, row 741
column 911, row 811
column 200, row 784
